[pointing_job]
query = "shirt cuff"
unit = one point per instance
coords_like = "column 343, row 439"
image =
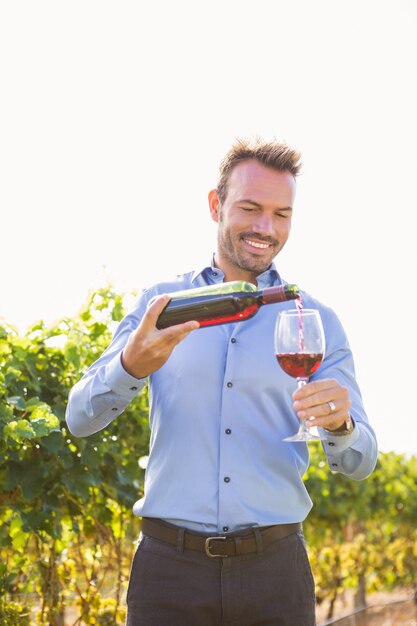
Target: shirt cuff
column 120, row 381
column 336, row 444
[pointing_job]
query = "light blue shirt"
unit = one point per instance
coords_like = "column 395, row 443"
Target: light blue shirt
column 219, row 409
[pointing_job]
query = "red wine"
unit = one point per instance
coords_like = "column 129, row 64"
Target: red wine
column 210, row 310
column 300, row 364
column 299, row 305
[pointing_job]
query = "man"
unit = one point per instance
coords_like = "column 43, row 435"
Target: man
column 224, row 498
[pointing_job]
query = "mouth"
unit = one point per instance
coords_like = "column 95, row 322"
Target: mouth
column 257, row 245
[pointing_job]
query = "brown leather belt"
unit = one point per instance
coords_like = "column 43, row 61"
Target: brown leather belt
column 249, row 541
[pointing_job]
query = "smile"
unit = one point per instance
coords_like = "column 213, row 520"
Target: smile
column 255, row 244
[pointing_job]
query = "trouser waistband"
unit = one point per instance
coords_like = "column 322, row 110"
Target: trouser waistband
column 248, row 541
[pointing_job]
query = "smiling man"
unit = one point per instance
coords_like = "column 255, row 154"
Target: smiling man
column 253, row 210
column 224, row 497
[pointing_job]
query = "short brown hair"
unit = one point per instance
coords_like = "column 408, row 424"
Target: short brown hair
column 274, row 154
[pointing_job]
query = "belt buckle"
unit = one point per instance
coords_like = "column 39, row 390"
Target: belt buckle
column 207, row 547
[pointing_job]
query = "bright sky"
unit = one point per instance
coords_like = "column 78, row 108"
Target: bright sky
column 114, row 117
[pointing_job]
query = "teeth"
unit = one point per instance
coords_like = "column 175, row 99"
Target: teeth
column 257, row 245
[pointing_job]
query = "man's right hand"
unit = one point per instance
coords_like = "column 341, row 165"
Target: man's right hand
column 148, row 348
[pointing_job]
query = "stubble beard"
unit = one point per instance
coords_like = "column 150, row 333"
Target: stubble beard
column 229, row 248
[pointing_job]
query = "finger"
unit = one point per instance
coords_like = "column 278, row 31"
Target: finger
column 326, row 400
column 324, row 404
column 322, row 413
column 330, row 414
column 336, row 394
column 314, row 387
column 148, row 348
column 155, row 309
column 178, row 332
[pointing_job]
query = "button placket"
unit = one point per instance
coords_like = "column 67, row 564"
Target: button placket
column 227, row 422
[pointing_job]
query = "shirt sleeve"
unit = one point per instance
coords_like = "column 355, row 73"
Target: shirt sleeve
column 355, row 454
column 107, row 388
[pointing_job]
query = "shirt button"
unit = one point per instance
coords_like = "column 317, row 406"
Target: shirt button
column 133, row 389
column 233, row 340
column 115, row 409
column 226, row 479
column 331, row 443
column 334, row 464
column 225, row 529
column 230, row 385
column 228, row 431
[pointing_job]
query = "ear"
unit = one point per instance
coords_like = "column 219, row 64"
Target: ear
column 214, row 204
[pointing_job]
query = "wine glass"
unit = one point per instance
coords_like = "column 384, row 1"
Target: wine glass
column 299, row 348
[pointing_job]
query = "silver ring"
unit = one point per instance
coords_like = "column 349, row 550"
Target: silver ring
column 332, row 406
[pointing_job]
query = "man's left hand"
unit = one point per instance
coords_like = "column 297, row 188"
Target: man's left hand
column 326, row 400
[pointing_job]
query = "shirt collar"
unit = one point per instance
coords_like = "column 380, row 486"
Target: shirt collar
column 212, row 274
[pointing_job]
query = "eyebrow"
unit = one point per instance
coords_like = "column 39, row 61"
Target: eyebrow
column 259, row 206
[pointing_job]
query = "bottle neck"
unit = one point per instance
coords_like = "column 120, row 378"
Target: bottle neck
column 280, row 293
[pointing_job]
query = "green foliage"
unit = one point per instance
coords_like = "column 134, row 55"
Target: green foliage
column 363, row 529
column 66, row 528
column 67, row 531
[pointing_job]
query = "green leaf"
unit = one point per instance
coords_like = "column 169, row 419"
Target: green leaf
column 32, row 483
column 32, row 403
column 43, row 421
column 17, row 401
column 19, row 431
column 72, row 353
column 4, row 348
column 54, row 441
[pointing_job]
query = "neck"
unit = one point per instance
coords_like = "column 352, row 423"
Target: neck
column 234, row 273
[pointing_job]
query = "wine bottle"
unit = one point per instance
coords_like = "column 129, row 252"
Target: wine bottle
column 209, row 290
column 222, row 308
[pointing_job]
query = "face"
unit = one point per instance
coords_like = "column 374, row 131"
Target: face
column 254, row 221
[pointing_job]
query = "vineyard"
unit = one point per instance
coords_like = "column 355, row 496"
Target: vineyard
column 67, row 532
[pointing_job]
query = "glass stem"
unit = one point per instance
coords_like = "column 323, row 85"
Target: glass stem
column 303, row 428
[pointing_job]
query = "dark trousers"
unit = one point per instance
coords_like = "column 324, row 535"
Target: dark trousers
column 170, row 586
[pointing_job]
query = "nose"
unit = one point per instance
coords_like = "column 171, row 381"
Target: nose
column 264, row 225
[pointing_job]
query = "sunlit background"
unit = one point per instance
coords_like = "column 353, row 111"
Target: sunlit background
column 115, row 115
